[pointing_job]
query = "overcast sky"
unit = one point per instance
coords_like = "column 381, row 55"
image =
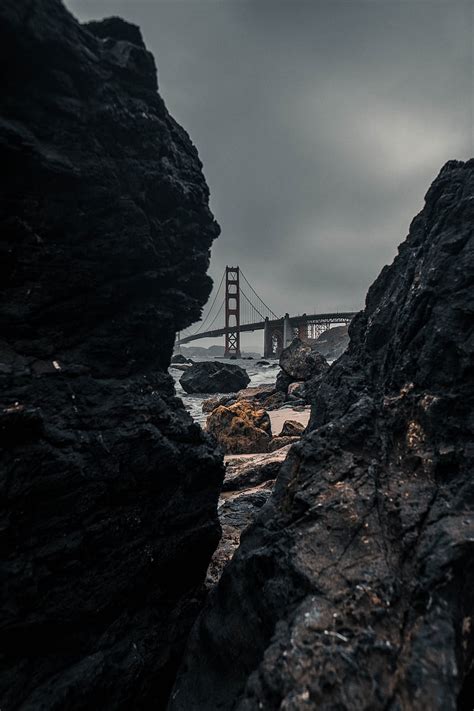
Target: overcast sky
column 320, row 124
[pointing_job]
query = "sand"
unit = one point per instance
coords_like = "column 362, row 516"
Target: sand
column 278, row 417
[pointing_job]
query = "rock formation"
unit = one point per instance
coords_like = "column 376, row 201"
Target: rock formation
column 354, row 587
column 333, row 342
column 109, row 490
column 247, row 486
column 300, row 362
column 214, row 377
column 241, row 428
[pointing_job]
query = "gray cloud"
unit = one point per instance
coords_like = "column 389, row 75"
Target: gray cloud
column 320, row 126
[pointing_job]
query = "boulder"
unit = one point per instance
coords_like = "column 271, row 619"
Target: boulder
column 258, row 393
column 245, row 473
column 214, row 377
column 296, row 390
column 109, row 489
column 353, row 589
column 292, row 428
column 278, row 442
column 301, row 362
column 242, row 428
column 179, row 358
column 273, row 402
column 333, row 342
column 211, row 403
column 283, row 381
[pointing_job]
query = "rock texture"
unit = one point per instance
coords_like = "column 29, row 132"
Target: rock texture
column 299, row 361
column 214, row 377
column 241, row 428
column 333, row 342
column 354, row 588
column 247, row 486
column 292, row 428
column 109, row 490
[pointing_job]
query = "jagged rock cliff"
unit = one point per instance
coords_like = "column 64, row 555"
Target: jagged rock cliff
column 354, row 588
column 108, row 489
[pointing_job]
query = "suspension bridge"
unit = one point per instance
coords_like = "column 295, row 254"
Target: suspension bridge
column 237, row 308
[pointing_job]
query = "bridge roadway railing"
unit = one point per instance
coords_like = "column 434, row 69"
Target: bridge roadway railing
column 344, row 317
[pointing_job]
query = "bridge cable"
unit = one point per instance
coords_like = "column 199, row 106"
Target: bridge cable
column 203, row 323
column 217, row 314
column 258, row 297
column 252, row 305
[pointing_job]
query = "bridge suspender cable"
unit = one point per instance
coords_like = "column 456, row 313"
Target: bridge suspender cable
column 258, row 297
column 203, row 323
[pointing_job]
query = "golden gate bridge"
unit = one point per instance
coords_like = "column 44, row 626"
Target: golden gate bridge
column 237, row 308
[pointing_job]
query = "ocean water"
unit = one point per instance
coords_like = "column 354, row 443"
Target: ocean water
column 258, row 374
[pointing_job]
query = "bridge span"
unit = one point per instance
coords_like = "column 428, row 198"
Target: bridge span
column 278, row 331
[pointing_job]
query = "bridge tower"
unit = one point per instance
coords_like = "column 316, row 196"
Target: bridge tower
column 232, row 312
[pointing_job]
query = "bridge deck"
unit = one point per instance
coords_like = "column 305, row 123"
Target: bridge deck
column 345, row 317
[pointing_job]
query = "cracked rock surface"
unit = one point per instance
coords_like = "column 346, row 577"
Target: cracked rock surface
column 354, row 587
column 109, row 490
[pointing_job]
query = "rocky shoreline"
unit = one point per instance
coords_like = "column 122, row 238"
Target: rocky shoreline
column 335, row 572
column 254, row 428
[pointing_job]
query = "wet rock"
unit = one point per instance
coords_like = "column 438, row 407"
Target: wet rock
column 258, row 393
column 246, row 488
column 278, row 442
column 292, row 428
column 273, row 402
column 353, row 587
column 109, row 489
column 333, row 342
column 283, row 381
column 179, row 358
column 211, row 403
column 297, row 390
column 240, row 428
column 244, row 473
column 214, row 377
column 301, row 362
column 263, row 362
column 236, row 512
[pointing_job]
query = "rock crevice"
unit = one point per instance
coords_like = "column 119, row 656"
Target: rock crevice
column 353, row 588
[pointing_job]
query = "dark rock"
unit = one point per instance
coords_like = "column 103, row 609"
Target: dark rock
column 214, row 377
column 247, row 487
column 211, row 403
column 283, row 380
column 273, row 402
column 236, row 512
column 109, row 489
column 178, row 358
column 279, row 442
column 244, row 473
column 297, row 389
column 292, row 428
column 333, row 342
column 258, row 393
column 301, row 362
column 353, row 587
column 262, row 362
column 242, row 428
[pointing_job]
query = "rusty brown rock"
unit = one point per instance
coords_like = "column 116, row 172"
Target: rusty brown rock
column 241, row 428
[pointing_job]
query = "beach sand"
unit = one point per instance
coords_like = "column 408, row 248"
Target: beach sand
column 278, row 417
